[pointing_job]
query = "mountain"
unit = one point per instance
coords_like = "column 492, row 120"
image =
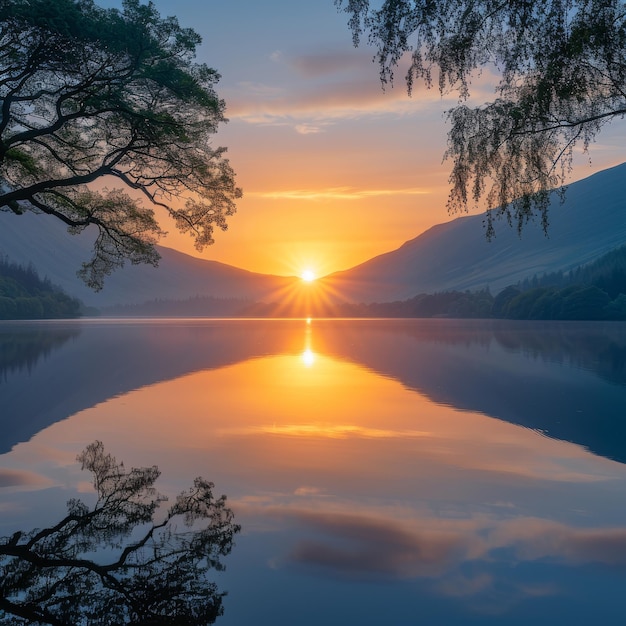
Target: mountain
column 450, row 256
column 457, row 256
column 45, row 243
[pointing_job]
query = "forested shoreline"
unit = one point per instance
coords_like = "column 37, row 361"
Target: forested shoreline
column 596, row 291
column 24, row 295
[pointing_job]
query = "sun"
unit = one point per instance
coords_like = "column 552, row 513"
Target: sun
column 308, row 276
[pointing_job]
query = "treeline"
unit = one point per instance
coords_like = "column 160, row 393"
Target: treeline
column 463, row 304
column 608, row 273
column 576, row 302
column 24, row 295
column 196, row 306
column 596, row 291
column 448, row 304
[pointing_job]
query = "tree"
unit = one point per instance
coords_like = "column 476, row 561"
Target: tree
column 92, row 95
column 562, row 67
column 24, row 295
column 113, row 563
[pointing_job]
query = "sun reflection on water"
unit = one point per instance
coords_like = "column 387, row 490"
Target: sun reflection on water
column 308, row 357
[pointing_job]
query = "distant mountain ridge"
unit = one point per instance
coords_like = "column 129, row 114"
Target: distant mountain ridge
column 45, row 243
column 457, row 256
column 451, row 256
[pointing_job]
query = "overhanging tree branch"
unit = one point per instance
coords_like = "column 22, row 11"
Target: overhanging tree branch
column 122, row 97
column 562, row 66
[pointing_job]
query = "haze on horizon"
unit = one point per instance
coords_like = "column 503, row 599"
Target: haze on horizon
column 334, row 169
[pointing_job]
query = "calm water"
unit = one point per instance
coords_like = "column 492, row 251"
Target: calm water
column 384, row 472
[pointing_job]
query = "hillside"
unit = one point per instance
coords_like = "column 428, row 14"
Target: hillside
column 24, row 295
column 456, row 255
column 44, row 243
column 450, row 256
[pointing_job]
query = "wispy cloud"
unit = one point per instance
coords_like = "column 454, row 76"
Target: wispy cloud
column 308, row 491
column 323, row 102
column 337, row 193
column 361, row 545
column 309, row 129
column 277, row 56
column 332, row 62
column 317, row 94
column 357, row 547
column 331, row 431
column 260, row 90
column 22, row 478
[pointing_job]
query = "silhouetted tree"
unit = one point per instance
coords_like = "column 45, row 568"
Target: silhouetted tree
column 88, row 93
column 562, row 78
column 115, row 563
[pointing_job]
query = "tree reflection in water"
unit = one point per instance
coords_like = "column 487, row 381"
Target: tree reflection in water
column 21, row 346
column 116, row 563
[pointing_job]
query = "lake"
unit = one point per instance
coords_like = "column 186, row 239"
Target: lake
column 391, row 472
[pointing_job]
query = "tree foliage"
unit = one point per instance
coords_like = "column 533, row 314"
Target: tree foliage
column 87, row 95
column 562, row 77
column 115, row 563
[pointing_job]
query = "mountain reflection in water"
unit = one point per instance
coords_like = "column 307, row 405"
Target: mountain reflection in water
column 476, row 366
column 361, row 457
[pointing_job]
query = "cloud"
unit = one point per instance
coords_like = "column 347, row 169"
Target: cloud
column 362, row 547
column 337, row 193
column 533, row 539
column 277, row 56
column 332, row 62
column 323, row 103
column 18, row 478
column 319, row 97
column 309, row 129
column 330, row 431
column 261, row 90
column 379, row 544
column 308, row 491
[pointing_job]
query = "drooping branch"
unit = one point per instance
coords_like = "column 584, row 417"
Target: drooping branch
column 121, row 97
column 562, row 77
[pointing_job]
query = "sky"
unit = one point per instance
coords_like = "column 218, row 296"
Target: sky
column 334, row 169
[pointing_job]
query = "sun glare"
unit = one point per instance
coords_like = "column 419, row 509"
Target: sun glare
column 308, row 357
column 307, row 276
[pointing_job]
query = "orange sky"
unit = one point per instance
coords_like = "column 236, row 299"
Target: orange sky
column 334, row 170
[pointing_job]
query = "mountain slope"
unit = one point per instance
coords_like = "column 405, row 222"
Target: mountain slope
column 450, row 256
column 44, row 242
column 457, row 256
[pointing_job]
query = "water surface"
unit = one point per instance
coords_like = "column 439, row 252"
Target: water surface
column 384, row 471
